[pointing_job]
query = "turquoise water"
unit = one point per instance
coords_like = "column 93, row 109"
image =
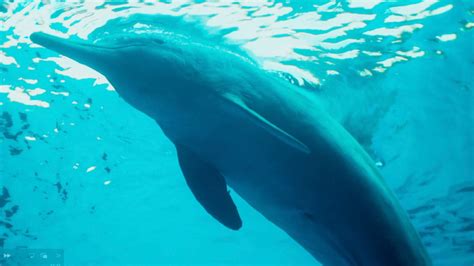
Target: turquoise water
column 83, row 171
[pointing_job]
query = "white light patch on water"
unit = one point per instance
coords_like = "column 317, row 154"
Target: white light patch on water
column 332, row 72
column 339, row 45
column 370, row 53
column 202, row 9
column 140, row 26
column 37, row 91
column 446, row 37
column 441, row 10
column 7, row 60
column 90, row 169
column 395, row 32
column 299, row 74
column 391, row 61
column 345, row 55
column 100, row 79
column 379, row 69
column 313, row 21
column 367, row 4
column 110, row 87
column 282, row 47
column 276, row 10
column 316, row 39
column 251, row 29
column 417, row 8
column 413, row 53
column 365, row 73
column 227, row 17
column 11, row 42
column 418, row 16
column 19, row 95
column 30, row 138
column 107, row 182
column 63, row 93
column 29, row 81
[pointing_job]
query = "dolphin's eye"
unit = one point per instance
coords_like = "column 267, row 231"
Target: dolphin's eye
column 158, row 41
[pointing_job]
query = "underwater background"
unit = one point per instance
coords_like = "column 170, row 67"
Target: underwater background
column 83, row 171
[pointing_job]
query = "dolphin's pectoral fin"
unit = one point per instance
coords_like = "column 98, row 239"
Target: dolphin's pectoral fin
column 267, row 125
column 209, row 188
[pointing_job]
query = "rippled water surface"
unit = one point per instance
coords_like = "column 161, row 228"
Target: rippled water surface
column 83, row 171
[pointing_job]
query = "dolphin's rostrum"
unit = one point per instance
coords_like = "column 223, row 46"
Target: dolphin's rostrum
column 234, row 124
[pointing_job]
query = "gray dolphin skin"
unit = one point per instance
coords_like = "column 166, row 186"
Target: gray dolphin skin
column 236, row 125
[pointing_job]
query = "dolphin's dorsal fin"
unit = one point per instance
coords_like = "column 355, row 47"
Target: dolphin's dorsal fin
column 209, row 188
column 265, row 124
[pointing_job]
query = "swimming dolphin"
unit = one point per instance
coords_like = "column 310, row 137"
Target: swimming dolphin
column 234, row 124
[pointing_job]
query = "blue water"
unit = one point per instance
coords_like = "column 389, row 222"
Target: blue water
column 83, row 171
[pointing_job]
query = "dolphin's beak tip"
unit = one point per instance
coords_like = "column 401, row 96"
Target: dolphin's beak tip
column 36, row 37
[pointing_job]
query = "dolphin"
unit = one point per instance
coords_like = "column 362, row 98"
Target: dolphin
column 236, row 125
